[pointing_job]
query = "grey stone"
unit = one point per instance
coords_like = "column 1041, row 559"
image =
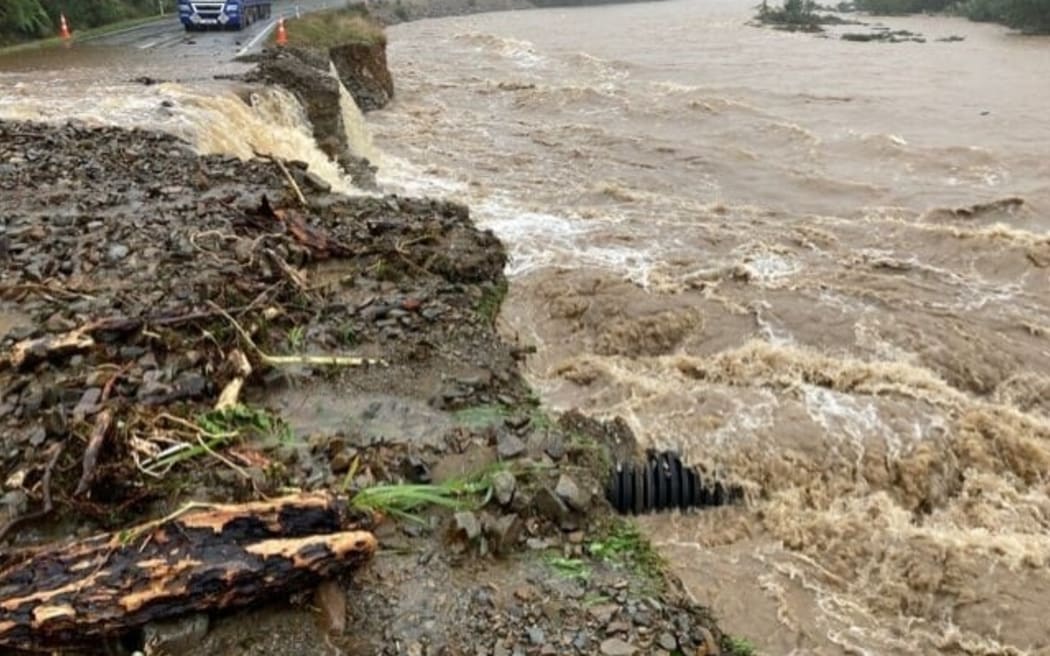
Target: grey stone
column 667, row 641
column 617, row 647
column 467, row 524
column 503, row 484
column 117, row 252
column 536, row 635
column 555, row 447
column 509, row 446
column 316, row 181
column 88, row 402
column 503, row 532
column 550, row 505
column 571, row 493
column 37, row 437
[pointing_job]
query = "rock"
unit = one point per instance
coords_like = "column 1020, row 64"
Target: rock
column 509, row 446
column 550, row 505
column 117, row 252
column 536, row 635
column 667, row 641
column 316, row 182
column 555, row 447
column 503, row 484
column 710, row 646
column 617, row 647
column 88, row 404
column 503, row 532
column 175, row 637
column 568, row 491
column 341, row 462
column 617, row 627
column 331, row 600
column 603, row 613
column 13, row 504
column 466, row 524
column 37, row 437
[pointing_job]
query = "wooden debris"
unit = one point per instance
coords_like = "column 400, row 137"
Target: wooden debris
column 31, row 351
column 320, row 244
column 218, row 557
column 95, row 442
column 232, row 392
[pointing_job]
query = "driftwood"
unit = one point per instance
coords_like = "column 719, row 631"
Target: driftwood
column 205, row 558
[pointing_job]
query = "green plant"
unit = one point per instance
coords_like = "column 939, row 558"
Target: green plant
column 24, row 16
column 296, row 337
column 334, row 27
column 348, row 334
column 739, row 646
column 404, row 501
column 624, row 544
column 794, row 14
column 241, row 420
column 480, row 416
column 570, row 568
column 491, row 300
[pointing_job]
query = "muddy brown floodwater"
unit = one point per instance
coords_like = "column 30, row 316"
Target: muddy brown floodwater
column 819, row 267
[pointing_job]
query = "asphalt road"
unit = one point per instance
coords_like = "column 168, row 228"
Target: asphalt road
column 169, row 33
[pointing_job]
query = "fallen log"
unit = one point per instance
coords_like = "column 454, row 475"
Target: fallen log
column 207, row 557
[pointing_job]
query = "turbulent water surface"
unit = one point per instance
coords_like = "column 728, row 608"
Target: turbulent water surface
column 818, row 268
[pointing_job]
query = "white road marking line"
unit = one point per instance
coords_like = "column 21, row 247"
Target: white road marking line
column 260, row 35
column 147, row 45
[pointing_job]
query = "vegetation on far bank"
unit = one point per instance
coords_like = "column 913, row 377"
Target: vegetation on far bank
column 29, row 20
column 1028, row 16
column 333, row 27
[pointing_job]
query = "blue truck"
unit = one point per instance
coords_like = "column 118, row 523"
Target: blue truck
column 222, row 14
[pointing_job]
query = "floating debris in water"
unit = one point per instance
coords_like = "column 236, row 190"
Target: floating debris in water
column 663, row 482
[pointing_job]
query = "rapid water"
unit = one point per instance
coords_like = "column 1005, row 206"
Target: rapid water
column 818, row 268
column 100, row 86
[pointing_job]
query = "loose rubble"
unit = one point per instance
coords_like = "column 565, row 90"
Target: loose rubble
column 142, row 283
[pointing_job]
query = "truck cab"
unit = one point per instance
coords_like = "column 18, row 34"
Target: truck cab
column 222, row 14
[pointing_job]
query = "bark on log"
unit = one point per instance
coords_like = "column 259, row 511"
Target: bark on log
column 221, row 557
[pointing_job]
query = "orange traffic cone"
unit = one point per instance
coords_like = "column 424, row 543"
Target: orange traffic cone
column 63, row 28
column 282, row 35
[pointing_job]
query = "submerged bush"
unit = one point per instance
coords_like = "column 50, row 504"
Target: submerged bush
column 799, row 14
column 1029, row 16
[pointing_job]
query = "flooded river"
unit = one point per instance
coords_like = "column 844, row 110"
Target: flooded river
column 818, row 268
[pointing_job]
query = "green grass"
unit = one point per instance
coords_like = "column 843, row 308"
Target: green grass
column 739, row 646
column 245, row 420
column 569, row 568
column 218, row 428
column 335, row 27
column 407, row 501
column 491, row 301
column 490, row 414
column 481, row 416
column 296, row 338
column 624, row 545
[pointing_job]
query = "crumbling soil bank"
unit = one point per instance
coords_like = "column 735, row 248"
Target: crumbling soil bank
column 138, row 279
